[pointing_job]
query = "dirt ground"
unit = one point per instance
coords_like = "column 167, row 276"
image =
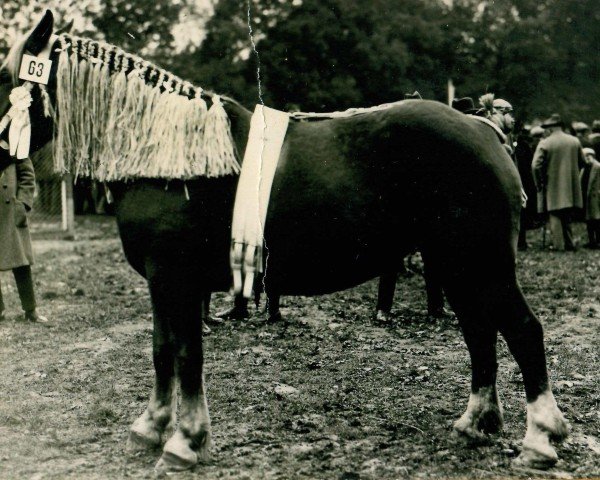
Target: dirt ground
column 366, row 401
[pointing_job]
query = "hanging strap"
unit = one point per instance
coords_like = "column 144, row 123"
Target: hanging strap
column 267, row 132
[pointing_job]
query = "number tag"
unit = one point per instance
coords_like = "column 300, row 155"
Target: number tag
column 35, row 69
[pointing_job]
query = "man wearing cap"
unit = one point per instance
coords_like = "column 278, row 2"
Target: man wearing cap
column 582, row 132
column 555, row 168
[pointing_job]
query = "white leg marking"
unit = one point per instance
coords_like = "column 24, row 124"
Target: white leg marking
column 544, row 420
column 483, row 412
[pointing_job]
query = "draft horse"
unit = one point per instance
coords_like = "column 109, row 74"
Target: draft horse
column 350, row 199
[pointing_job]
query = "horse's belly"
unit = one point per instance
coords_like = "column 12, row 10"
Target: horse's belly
column 310, row 263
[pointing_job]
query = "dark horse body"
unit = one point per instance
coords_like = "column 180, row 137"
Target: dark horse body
column 351, row 198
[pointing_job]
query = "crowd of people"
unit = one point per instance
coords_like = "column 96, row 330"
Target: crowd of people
column 559, row 171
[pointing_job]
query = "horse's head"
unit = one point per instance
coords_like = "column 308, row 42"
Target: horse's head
column 39, row 41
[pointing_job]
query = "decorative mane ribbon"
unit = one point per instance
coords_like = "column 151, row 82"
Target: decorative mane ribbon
column 19, row 134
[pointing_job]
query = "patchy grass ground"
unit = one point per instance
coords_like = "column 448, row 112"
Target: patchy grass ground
column 370, row 402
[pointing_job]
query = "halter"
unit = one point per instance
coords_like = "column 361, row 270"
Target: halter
column 19, row 134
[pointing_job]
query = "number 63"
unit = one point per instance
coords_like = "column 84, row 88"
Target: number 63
column 32, row 68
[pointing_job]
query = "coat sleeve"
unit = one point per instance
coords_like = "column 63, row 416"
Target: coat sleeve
column 25, row 182
column 539, row 166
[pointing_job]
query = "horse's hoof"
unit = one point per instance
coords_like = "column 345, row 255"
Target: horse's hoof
column 142, row 435
column 170, row 462
column 382, row 317
column 476, row 429
column 469, row 435
column 538, row 458
column 138, row 441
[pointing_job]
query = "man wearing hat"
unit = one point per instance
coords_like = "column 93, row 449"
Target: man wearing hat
column 555, row 168
column 464, row 105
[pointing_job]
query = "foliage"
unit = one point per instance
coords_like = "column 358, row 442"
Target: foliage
column 541, row 55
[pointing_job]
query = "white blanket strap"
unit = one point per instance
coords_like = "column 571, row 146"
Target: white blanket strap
column 267, row 133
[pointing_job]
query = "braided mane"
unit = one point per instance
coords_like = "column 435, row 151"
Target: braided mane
column 119, row 116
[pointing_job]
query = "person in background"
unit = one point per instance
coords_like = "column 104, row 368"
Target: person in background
column 594, row 138
column 17, row 186
column 590, row 185
column 555, row 169
column 523, row 157
column 535, row 135
column 582, row 132
column 464, row 105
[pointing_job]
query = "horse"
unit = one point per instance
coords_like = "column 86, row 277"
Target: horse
column 350, row 199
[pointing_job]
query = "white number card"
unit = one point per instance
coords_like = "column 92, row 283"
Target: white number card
column 35, row 69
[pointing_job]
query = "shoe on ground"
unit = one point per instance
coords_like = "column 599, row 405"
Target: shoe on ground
column 206, row 329
column 234, row 313
column 439, row 313
column 2, row 316
column 35, row 317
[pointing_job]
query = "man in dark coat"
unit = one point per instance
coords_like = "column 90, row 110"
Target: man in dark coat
column 556, row 164
column 17, row 186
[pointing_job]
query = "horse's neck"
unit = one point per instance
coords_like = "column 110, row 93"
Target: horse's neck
column 240, row 125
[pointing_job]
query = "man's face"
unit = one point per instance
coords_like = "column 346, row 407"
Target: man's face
column 507, row 114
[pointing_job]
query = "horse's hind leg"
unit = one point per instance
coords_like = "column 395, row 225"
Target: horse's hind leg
column 484, row 412
column 524, row 336
column 147, row 430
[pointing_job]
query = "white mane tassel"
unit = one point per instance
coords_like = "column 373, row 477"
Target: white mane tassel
column 19, row 134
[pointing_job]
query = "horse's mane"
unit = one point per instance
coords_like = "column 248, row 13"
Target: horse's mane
column 120, row 116
column 12, row 62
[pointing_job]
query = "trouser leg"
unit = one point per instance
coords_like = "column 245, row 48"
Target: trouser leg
column 591, row 232
column 596, row 231
column 24, row 282
column 567, row 231
column 522, row 242
column 556, row 231
column 1, row 300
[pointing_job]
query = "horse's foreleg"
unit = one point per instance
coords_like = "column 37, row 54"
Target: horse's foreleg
column 484, row 412
column 524, row 336
column 191, row 440
column 147, row 430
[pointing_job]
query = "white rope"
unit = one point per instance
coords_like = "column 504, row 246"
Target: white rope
column 351, row 112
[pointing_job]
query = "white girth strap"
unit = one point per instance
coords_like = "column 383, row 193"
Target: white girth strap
column 267, row 132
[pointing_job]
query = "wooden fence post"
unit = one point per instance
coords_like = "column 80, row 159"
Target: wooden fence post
column 68, row 207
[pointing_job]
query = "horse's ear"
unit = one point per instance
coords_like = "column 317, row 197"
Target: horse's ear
column 66, row 29
column 41, row 34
